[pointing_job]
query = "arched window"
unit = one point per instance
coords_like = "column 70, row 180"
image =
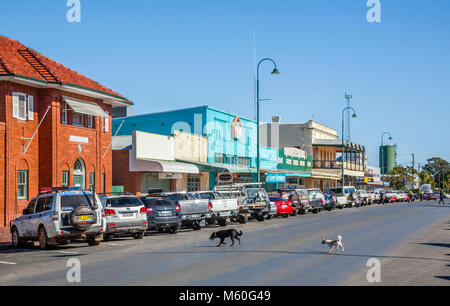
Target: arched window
column 79, row 174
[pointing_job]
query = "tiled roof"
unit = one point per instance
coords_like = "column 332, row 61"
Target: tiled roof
column 17, row 59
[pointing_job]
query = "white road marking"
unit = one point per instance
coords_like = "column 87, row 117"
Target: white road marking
column 115, row 244
column 64, row 252
column 7, row 263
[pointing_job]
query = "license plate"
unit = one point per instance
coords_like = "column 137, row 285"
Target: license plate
column 84, row 218
column 283, row 206
column 128, row 214
column 195, row 216
column 165, row 213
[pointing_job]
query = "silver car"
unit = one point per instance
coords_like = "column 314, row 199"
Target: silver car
column 124, row 214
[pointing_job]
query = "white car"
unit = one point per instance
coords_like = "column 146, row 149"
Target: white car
column 59, row 215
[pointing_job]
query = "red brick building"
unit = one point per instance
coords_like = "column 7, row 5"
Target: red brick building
column 55, row 128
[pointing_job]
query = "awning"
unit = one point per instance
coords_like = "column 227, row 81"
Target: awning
column 213, row 167
column 286, row 173
column 84, row 107
column 354, row 173
column 165, row 167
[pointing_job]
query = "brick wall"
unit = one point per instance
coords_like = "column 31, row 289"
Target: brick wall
column 121, row 172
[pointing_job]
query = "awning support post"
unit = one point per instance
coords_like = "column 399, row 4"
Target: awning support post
column 31, row 139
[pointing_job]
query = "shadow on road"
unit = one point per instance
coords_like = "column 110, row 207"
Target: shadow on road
column 444, row 277
column 222, row 250
column 444, row 245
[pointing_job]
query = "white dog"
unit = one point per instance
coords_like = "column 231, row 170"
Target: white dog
column 334, row 244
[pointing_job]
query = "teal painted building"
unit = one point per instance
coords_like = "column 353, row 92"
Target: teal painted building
column 231, row 139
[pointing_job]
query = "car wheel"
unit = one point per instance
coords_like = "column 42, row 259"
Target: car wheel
column 260, row 218
column 43, row 240
column 222, row 222
column 285, row 216
column 196, row 226
column 91, row 241
column 17, row 242
column 243, row 219
column 174, row 230
column 139, row 235
column 302, row 212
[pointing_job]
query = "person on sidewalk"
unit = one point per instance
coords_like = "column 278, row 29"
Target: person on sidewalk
column 441, row 197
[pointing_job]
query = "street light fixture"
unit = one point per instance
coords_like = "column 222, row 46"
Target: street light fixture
column 343, row 146
column 274, row 72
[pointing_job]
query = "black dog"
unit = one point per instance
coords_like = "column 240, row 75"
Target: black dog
column 232, row 233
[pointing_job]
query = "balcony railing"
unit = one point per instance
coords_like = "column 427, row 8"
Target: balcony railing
column 334, row 164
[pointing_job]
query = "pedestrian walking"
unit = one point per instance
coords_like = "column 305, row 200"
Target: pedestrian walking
column 382, row 197
column 421, row 195
column 441, row 197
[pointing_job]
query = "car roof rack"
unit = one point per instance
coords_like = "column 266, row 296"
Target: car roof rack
column 58, row 189
column 119, row 193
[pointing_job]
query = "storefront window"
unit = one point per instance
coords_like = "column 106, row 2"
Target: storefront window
column 193, row 183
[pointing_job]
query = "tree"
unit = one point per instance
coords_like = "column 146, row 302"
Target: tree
column 400, row 175
column 439, row 169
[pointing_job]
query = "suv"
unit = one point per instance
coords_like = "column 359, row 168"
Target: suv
column 124, row 214
column 162, row 214
column 59, row 215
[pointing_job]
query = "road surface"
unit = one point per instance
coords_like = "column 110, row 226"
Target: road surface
column 410, row 240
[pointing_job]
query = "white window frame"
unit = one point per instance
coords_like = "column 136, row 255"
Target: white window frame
column 17, row 107
column 90, row 121
column 106, row 123
column 64, row 112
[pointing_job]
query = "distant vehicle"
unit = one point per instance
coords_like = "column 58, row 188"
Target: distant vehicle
column 162, row 214
column 364, row 198
column 430, row 197
column 194, row 211
column 390, row 196
column 347, row 197
column 284, row 207
column 426, row 188
column 330, row 202
column 316, row 201
column 59, row 215
column 299, row 200
column 222, row 209
column 124, row 214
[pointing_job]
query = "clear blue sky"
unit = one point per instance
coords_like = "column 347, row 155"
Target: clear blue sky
column 174, row 54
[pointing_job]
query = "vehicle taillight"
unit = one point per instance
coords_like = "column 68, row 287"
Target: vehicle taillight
column 178, row 208
column 149, row 210
column 55, row 216
column 143, row 210
column 210, row 207
column 109, row 212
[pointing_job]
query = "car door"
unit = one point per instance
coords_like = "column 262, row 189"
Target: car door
column 43, row 213
column 25, row 222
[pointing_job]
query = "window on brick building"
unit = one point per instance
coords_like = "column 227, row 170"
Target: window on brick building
column 22, row 179
column 77, row 119
column 65, row 178
column 106, row 123
column 20, row 106
column 90, row 121
column 64, row 112
column 193, row 183
column 92, row 181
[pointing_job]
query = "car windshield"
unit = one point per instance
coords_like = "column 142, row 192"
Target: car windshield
column 276, row 199
column 313, row 192
column 177, row 196
column 253, row 193
column 71, row 201
column 206, row 196
column 123, row 202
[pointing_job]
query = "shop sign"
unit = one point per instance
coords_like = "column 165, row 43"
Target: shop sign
column 169, row 176
column 224, row 178
column 275, row 178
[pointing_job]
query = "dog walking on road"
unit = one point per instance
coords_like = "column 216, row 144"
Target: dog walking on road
column 222, row 235
column 334, row 245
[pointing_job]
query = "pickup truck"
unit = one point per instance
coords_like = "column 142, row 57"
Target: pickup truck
column 194, row 211
column 222, row 209
column 315, row 198
column 348, row 198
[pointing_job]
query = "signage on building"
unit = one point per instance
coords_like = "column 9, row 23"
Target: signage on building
column 237, row 129
column 275, row 178
column 375, row 172
column 79, row 139
column 224, row 178
column 170, row 176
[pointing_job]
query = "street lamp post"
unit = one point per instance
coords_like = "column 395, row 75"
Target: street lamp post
column 343, row 146
column 382, row 145
column 275, row 71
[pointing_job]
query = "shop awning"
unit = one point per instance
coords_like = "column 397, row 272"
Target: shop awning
column 287, row 173
column 164, row 167
column 212, row 167
column 84, row 107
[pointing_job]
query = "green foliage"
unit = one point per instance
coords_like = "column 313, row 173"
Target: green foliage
column 400, row 175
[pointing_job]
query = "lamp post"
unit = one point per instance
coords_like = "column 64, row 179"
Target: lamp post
column 343, row 146
column 382, row 145
column 275, row 71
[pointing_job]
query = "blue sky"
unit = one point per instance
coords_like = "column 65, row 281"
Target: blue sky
column 172, row 54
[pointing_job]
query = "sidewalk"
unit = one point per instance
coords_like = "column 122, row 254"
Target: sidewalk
column 5, row 238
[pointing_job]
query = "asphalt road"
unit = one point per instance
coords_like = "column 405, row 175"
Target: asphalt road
column 410, row 240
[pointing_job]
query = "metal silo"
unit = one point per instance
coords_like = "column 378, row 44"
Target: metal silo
column 388, row 158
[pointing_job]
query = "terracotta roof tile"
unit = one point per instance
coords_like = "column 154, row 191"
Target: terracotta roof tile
column 13, row 60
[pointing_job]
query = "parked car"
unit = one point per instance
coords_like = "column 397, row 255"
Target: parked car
column 299, row 200
column 430, row 197
column 390, row 196
column 284, row 207
column 330, row 201
column 222, row 209
column 162, row 214
column 125, row 214
column 345, row 197
column 194, row 211
column 59, row 215
column 315, row 198
column 401, row 196
column 375, row 197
